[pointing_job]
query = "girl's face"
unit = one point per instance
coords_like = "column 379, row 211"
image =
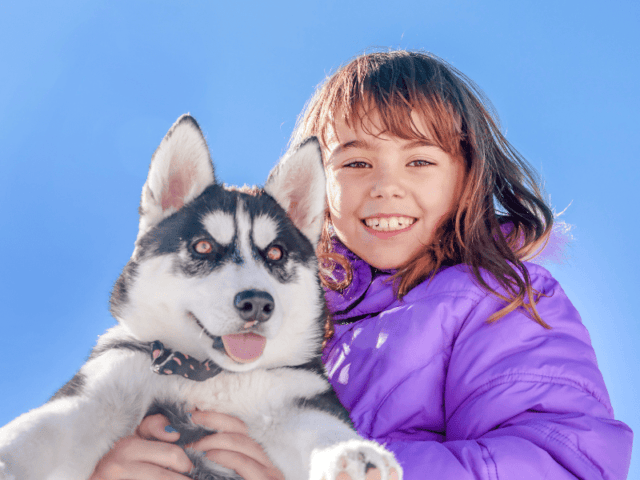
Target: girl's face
column 387, row 195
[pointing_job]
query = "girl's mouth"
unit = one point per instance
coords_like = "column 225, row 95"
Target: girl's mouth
column 388, row 226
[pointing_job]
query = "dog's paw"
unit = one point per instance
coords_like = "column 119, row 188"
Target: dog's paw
column 354, row 460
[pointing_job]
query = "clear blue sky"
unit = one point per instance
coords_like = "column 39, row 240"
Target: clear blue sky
column 88, row 89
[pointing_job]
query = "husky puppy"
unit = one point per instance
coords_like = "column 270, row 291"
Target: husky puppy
column 219, row 308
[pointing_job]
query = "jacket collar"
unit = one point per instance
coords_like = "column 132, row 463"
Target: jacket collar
column 370, row 291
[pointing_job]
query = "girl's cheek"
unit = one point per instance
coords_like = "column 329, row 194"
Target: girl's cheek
column 334, row 191
column 333, row 202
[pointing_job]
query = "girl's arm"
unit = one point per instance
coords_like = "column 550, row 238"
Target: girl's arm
column 519, row 401
column 142, row 457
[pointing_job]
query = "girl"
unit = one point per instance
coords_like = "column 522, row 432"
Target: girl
column 465, row 360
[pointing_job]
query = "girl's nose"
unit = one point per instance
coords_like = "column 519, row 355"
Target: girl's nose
column 387, row 185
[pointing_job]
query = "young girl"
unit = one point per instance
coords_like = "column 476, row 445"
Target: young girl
column 466, row 361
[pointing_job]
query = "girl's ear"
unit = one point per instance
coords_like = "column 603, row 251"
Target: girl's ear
column 297, row 183
column 180, row 170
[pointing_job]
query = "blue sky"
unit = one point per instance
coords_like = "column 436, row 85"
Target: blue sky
column 88, row 90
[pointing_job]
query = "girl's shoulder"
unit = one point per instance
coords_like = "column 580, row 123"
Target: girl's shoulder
column 459, row 281
column 456, row 301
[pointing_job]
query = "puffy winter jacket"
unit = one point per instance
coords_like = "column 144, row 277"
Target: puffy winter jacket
column 457, row 398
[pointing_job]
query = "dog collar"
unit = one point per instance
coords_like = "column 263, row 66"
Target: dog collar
column 164, row 361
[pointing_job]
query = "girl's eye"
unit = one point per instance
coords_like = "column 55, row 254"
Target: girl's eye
column 274, row 253
column 420, row 163
column 357, row 164
column 203, row 247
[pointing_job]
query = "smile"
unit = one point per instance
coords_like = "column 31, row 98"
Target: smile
column 389, row 224
column 387, row 227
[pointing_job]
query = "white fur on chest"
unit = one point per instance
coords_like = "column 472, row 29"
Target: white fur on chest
column 122, row 385
column 249, row 395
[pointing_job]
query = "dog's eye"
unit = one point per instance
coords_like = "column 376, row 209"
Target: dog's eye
column 274, row 253
column 203, row 247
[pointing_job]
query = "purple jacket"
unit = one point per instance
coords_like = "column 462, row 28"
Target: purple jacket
column 456, row 398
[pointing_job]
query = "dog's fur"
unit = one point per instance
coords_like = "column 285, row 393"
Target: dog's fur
column 172, row 293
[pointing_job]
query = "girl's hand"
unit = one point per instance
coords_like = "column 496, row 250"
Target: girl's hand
column 232, row 447
column 139, row 457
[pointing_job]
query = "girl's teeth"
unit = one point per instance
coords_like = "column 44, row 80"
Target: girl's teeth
column 388, row 223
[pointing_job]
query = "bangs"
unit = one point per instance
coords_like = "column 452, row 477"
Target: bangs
column 385, row 93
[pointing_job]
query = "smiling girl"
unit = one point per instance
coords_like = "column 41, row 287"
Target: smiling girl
column 448, row 347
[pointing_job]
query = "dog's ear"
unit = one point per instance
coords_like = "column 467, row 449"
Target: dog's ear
column 180, row 170
column 298, row 185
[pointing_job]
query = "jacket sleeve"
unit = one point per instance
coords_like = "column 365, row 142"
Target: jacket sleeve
column 520, row 401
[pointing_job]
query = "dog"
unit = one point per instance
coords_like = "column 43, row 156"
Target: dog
column 219, row 308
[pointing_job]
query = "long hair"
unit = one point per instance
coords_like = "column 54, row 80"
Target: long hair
column 501, row 218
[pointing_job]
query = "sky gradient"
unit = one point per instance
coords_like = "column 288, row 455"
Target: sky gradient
column 88, row 90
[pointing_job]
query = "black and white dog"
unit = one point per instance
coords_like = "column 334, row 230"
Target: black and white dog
column 219, row 308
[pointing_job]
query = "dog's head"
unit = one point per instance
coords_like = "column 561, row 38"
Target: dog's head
column 226, row 274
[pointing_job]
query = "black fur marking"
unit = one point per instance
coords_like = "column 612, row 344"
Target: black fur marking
column 72, row 388
column 236, row 257
column 130, row 345
column 216, row 340
column 315, row 366
column 119, row 293
column 296, row 247
column 327, row 402
column 179, row 419
column 190, row 432
column 217, row 343
column 181, row 230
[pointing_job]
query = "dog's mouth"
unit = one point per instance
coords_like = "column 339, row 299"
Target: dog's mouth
column 244, row 347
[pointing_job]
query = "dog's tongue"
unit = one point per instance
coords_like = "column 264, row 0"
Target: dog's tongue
column 244, row 347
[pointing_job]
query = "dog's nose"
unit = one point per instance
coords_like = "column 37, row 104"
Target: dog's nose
column 254, row 305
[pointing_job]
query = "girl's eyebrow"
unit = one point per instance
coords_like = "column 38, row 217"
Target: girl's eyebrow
column 419, row 142
column 365, row 145
column 362, row 144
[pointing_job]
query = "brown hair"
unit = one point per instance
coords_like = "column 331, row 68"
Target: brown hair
column 501, row 218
